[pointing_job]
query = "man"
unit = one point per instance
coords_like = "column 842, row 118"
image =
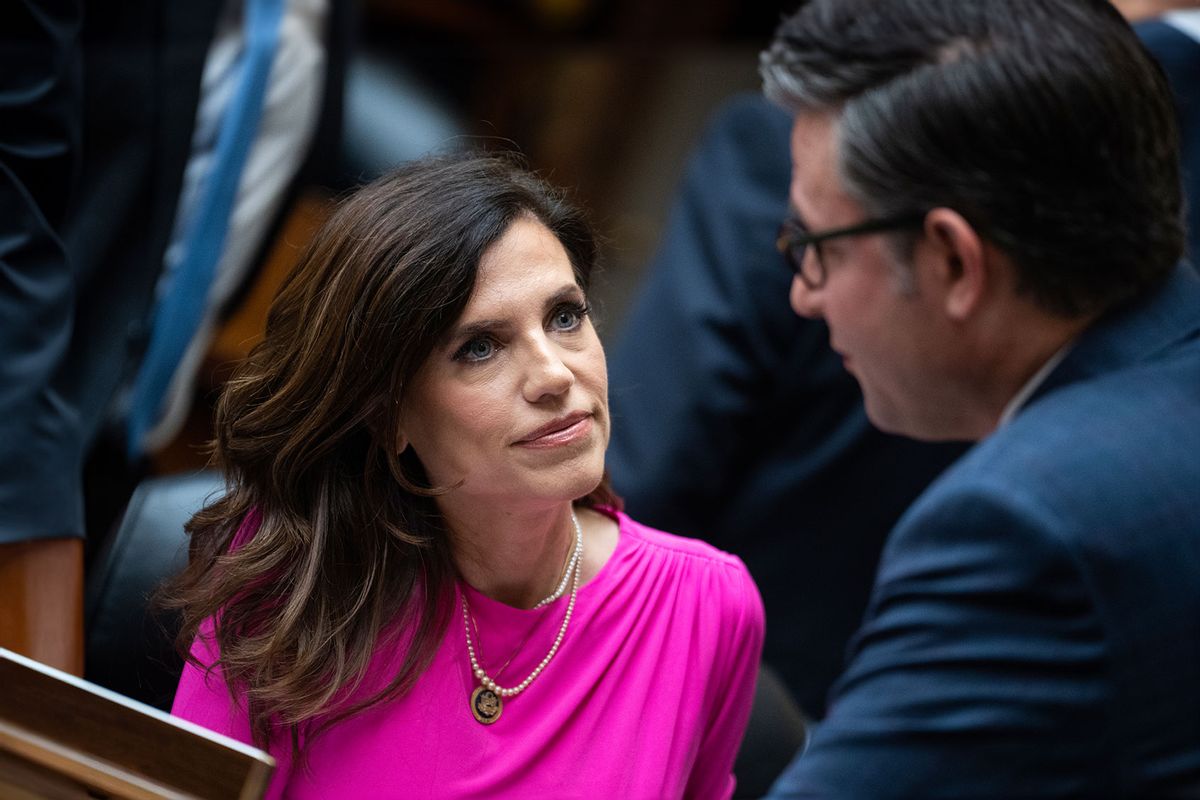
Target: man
column 986, row 211
column 733, row 412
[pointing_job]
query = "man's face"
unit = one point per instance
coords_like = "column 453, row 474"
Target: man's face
column 880, row 321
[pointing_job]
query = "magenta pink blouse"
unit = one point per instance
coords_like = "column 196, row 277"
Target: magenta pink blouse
column 648, row 696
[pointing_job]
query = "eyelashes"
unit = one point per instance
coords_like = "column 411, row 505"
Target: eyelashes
column 566, row 317
column 478, row 348
column 570, row 314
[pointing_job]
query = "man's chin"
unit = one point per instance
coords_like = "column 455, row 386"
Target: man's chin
column 889, row 419
column 924, row 427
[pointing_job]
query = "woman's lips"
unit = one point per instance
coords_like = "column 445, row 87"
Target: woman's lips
column 566, row 430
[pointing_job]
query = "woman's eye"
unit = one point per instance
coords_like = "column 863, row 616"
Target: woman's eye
column 476, row 350
column 568, row 318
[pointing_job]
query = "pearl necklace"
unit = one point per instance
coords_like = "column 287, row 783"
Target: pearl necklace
column 486, row 701
column 576, row 553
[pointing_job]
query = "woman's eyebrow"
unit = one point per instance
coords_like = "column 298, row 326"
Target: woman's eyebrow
column 476, row 328
column 569, row 291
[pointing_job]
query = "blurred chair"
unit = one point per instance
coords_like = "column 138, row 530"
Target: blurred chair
column 390, row 117
column 776, row 734
column 130, row 646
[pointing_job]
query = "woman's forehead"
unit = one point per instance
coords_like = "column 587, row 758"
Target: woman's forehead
column 528, row 261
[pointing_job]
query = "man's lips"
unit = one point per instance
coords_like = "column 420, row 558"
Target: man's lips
column 564, row 430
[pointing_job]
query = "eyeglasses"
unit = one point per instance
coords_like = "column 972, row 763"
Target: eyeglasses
column 794, row 240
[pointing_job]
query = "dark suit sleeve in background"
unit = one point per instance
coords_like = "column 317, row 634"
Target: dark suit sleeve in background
column 1179, row 55
column 710, row 327
column 40, row 129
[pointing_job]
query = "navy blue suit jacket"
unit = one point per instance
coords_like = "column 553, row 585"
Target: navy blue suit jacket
column 1035, row 625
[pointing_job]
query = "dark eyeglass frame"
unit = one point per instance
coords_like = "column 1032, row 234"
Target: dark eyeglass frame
column 794, row 240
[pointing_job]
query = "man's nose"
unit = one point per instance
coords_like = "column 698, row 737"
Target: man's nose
column 805, row 301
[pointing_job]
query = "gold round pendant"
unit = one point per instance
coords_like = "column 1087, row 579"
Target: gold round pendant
column 486, row 705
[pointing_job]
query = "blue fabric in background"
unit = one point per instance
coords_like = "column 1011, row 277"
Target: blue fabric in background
column 178, row 313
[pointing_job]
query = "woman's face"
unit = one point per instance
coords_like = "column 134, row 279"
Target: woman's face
column 513, row 402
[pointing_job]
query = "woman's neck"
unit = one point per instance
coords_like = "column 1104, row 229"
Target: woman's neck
column 516, row 559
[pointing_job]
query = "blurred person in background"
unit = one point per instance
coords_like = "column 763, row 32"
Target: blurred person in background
column 96, row 114
column 109, row 153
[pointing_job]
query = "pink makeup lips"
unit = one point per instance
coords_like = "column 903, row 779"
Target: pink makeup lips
column 564, row 430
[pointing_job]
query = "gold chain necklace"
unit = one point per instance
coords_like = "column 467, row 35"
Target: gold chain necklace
column 487, row 701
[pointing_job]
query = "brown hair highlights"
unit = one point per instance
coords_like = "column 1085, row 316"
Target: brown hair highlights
column 351, row 550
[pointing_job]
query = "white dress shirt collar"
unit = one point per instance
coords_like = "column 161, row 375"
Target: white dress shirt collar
column 1031, row 385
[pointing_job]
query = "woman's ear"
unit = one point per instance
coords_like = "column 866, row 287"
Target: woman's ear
column 381, row 421
column 401, row 437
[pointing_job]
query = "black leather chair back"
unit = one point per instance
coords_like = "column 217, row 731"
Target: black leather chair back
column 776, row 734
column 130, row 645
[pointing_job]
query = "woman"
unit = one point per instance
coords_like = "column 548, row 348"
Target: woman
column 419, row 583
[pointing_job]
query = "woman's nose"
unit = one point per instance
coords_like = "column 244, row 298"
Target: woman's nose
column 805, row 301
column 548, row 375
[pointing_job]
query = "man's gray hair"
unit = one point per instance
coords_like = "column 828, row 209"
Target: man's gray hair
column 1043, row 122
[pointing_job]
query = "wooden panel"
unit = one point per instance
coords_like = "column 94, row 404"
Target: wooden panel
column 22, row 780
column 41, row 601
column 53, row 721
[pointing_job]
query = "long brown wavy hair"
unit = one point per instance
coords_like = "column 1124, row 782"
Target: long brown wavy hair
column 350, row 550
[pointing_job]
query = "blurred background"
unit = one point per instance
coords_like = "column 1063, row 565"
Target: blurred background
column 603, row 97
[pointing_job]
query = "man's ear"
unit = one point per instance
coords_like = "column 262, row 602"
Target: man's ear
column 959, row 262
